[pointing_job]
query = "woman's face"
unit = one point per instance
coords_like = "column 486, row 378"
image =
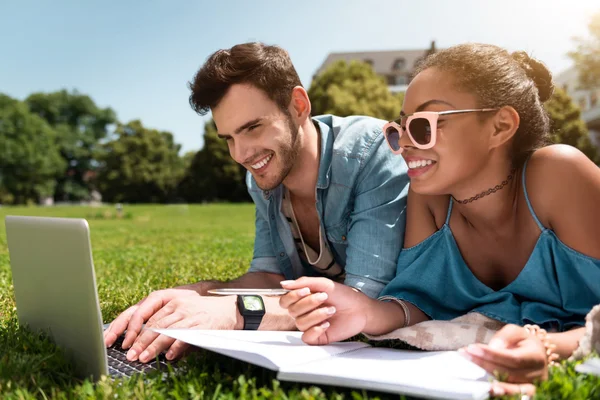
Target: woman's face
column 462, row 140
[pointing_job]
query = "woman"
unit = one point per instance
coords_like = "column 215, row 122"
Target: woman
column 496, row 223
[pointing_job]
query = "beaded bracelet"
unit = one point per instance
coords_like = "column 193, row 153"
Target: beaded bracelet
column 542, row 335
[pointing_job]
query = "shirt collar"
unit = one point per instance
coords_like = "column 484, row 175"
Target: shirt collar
column 326, row 135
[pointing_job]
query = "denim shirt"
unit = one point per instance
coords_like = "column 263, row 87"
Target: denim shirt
column 361, row 201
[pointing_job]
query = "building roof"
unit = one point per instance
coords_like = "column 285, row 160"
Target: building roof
column 383, row 62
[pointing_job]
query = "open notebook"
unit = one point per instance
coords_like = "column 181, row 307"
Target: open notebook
column 443, row 375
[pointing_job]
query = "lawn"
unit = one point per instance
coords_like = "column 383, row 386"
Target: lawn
column 154, row 247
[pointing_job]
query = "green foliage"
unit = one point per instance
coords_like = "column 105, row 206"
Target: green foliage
column 52, row 146
column 80, row 124
column 30, row 161
column 587, row 55
column 353, row 88
column 567, row 125
column 187, row 159
column 166, row 246
column 566, row 383
column 213, row 175
column 139, row 165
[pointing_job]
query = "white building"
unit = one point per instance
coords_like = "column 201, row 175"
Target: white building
column 396, row 66
column 587, row 100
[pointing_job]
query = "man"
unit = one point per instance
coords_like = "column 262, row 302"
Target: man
column 329, row 195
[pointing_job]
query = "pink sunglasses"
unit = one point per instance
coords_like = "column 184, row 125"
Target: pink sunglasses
column 421, row 128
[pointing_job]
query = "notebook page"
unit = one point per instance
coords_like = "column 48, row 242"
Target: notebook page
column 268, row 349
column 429, row 374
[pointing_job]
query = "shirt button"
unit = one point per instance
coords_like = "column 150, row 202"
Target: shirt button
column 282, row 254
column 272, row 217
column 343, row 237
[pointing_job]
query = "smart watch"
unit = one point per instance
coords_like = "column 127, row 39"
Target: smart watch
column 252, row 309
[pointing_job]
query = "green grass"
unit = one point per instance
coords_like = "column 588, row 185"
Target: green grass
column 154, row 247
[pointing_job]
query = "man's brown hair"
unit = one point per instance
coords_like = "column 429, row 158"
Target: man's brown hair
column 268, row 68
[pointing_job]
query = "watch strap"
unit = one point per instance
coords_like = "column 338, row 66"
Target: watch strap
column 251, row 320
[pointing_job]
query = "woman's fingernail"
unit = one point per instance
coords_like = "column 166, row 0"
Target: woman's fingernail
column 169, row 355
column 464, row 353
column 325, row 325
column 330, row 310
column 304, row 291
column 498, row 390
column 285, row 283
column 497, row 344
column 475, row 350
column 321, row 296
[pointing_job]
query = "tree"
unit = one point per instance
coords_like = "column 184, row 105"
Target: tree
column 587, row 55
column 30, row 160
column 80, row 125
column 213, row 175
column 353, row 88
column 567, row 126
column 140, row 165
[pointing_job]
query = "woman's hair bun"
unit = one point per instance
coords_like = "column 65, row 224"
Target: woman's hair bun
column 538, row 72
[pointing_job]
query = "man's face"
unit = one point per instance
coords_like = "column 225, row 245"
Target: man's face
column 259, row 134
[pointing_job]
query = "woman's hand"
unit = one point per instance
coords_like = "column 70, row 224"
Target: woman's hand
column 324, row 310
column 511, row 389
column 514, row 355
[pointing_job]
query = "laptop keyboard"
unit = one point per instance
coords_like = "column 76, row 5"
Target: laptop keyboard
column 119, row 366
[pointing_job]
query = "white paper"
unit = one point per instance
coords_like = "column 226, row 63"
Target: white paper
column 590, row 366
column 269, row 349
column 441, row 375
column 387, row 365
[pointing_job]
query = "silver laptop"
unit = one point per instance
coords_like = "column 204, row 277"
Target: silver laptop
column 55, row 291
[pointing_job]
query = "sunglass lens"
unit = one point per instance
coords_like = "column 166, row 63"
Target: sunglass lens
column 420, row 130
column 393, row 137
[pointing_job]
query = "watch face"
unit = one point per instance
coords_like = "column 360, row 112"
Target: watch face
column 252, row 303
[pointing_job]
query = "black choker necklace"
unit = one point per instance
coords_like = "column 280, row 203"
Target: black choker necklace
column 487, row 192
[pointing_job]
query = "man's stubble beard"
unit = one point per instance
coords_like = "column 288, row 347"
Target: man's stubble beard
column 287, row 154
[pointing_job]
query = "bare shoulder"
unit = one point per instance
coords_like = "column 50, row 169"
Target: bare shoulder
column 554, row 170
column 425, row 215
column 563, row 185
column 560, row 155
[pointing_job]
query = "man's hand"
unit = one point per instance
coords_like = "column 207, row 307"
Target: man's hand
column 187, row 307
column 170, row 308
column 324, row 310
column 135, row 316
column 199, row 312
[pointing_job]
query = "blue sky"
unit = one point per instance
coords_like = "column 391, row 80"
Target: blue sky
column 137, row 56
